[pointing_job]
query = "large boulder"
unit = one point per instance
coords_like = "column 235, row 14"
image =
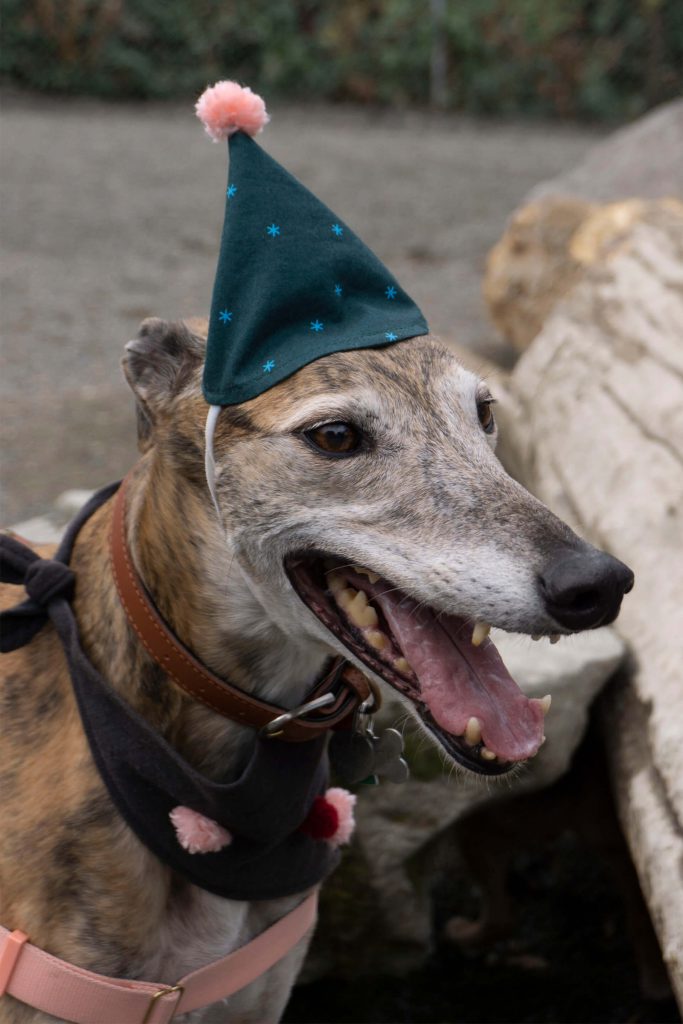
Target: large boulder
column 593, row 424
column 581, row 217
column 643, row 159
column 547, row 248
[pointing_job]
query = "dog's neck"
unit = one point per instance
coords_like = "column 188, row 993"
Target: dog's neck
column 189, row 568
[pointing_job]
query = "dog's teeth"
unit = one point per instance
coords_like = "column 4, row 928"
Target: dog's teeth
column 473, row 731
column 360, row 612
column 335, row 581
column 345, row 597
column 377, row 639
column 487, row 754
column 401, row 665
column 480, row 632
column 554, row 638
column 543, row 702
column 372, row 576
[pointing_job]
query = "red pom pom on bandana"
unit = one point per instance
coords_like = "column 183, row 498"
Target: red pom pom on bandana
column 331, row 817
column 226, row 108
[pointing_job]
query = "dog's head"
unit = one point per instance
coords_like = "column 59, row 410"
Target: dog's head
column 363, row 503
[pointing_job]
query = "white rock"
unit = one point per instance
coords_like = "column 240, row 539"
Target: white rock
column 594, row 427
column 643, row 159
column 39, row 530
column 49, row 527
column 72, row 500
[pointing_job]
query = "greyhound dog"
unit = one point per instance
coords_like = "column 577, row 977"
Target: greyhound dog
column 361, row 512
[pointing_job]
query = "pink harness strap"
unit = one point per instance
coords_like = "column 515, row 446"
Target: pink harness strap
column 54, row 986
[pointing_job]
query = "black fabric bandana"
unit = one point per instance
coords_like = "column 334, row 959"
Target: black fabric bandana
column 146, row 778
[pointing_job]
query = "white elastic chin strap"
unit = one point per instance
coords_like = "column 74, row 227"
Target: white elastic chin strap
column 210, row 473
column 209, row 463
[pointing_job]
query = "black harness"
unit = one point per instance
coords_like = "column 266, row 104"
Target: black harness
column 263, row 809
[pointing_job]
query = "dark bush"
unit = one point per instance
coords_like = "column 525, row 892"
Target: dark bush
column 588, row 58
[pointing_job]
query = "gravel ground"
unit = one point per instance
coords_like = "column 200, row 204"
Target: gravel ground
column 112, row 212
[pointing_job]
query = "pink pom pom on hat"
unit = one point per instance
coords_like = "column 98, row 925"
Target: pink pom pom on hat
column 197, row 833
column 227, row 107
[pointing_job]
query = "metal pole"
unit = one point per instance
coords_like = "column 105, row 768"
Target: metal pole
column 438, row 64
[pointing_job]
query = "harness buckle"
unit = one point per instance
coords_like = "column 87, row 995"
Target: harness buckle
column 274, row 728
column 157, row 995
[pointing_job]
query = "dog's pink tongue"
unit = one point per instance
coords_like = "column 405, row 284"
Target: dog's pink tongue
column 459, row 681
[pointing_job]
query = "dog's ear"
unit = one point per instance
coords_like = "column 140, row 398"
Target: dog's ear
column 158, row 364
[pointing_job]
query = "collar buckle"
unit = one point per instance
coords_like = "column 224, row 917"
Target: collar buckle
column 275, row 727
column 158, row 995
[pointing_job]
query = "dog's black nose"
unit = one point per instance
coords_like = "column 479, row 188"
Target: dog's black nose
column 583, row 589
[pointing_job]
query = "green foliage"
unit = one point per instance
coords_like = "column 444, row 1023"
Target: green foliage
column 586, row 58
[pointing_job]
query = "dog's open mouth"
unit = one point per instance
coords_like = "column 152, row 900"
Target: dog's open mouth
column 460, row 688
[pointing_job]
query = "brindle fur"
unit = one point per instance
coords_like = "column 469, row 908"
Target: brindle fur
column 428, row 506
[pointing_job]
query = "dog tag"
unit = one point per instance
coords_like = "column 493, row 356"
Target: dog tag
column 389, row 763
column 396, row 771
column 387, row 747
column 357, row 757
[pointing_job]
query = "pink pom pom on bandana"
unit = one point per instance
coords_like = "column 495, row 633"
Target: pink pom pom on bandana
column 198, row 834
column 343, row 802
column 226, row 108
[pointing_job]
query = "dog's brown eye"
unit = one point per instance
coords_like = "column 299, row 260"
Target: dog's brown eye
column 485, row 413
column 335, row 438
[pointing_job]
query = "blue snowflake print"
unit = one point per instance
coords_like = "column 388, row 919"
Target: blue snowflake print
column 338, row 230
column 273, row 230
column 390, row 336
column 317, row 326
column 338, row 290
column 232, row 189
column 390, row 292
column 269, row 366
column 226, row 316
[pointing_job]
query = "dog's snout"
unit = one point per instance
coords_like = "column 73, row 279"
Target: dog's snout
column 583, row 589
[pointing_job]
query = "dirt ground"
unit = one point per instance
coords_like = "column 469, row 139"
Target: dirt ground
column 112, row 212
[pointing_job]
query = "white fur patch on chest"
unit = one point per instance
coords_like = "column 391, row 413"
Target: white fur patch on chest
column 197, row 929
column 200, row 928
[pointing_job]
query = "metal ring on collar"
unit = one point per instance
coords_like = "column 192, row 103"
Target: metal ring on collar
column 373, row 702
column 274, row 728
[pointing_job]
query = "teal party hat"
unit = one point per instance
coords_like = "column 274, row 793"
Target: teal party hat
column 293, row 282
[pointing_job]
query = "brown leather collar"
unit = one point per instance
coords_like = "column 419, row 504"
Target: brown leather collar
column 349, row 686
